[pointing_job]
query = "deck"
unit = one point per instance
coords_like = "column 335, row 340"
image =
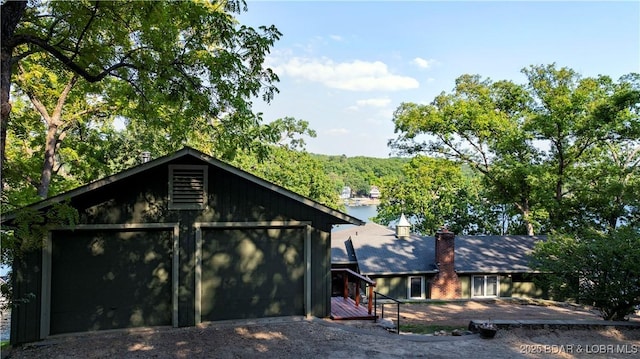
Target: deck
column 346, row 309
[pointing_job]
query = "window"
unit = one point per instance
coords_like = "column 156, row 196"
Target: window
column 485, row 286
column 187, row 187
column 416, row 287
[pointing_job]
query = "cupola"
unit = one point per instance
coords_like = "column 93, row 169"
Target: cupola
column 403, row 227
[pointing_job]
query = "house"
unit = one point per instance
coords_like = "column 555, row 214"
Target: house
column 409, row 266
column 179, row 240
column 346, row 193
column 374, row 192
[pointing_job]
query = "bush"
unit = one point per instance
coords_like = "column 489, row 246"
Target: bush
column 595, row 268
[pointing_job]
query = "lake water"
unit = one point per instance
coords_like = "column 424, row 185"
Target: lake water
column 364, row 213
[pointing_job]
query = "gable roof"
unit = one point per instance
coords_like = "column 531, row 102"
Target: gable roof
column 494, row 254
column 379, row 252
column 340, row 217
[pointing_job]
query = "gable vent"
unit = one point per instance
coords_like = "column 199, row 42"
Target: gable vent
column 187, row 187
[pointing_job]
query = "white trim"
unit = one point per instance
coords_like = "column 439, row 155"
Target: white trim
column 47, row 249
column 422, row 287
column 265, row 224
column 484, row 288
column 261, row 224
column 123, row 226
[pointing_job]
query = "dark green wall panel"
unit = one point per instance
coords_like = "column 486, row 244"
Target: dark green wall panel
column 110, row 279
column 252, row 273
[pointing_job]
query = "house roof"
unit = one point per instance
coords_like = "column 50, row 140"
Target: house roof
column 342, row 251
column 340, row 217
column 379, row 252
column 494, row 254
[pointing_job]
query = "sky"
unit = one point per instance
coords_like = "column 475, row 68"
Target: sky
column 346, row 66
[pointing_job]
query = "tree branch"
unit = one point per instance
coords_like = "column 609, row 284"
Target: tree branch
column 40, row 107
column 66, row 61
column 84, row 31
column 63, row 96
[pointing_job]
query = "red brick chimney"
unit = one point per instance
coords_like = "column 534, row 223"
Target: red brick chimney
column 446, row 284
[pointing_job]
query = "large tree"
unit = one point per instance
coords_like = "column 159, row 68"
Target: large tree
column 172, row 66
column 435, row 192
column 532, row 143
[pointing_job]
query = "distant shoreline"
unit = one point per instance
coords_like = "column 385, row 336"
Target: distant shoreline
column 362, row 201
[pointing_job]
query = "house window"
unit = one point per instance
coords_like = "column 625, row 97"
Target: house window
column 416, row 287
column 485, row 286
column 187, row 187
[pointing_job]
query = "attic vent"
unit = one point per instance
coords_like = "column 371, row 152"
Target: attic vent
column 187, row 187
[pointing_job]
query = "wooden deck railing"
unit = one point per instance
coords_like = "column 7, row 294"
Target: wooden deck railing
column 348, row 273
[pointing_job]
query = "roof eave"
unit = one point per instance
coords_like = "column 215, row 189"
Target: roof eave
column 345, row 218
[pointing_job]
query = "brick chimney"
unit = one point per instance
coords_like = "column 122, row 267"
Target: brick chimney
column 446, row 284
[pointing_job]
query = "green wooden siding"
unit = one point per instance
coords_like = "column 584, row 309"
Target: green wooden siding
column 109, row 280
column 143, row 199
column 252, row 273
column 320, row 273
column 523, row 286
column 392, row 286
column 465, row 286
column 27, row 284
column 511, row 285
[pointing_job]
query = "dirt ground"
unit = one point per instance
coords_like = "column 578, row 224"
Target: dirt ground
column 295, row 337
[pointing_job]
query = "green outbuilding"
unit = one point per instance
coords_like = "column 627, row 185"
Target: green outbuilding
column 176, row 241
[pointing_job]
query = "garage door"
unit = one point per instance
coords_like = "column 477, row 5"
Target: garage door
column 252, row 273
column 110, row 279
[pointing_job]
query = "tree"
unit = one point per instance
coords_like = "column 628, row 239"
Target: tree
column 360, row 173
column 531, row 143
column 594, row 267
column 296, row 171
column 434, row 193
column 170, row 65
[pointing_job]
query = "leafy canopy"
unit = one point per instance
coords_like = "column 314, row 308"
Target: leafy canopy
column 536, row 144
column 594, row 267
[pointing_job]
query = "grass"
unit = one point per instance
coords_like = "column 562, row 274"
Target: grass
column 426, row 329
column 4, row 345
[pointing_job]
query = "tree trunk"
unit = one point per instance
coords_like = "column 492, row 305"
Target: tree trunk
column 526, row 216
column 10, row 15
column 49, row 159
column 53, row 122
column 528, row 224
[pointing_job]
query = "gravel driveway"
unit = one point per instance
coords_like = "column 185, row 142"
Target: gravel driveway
column 295, row 337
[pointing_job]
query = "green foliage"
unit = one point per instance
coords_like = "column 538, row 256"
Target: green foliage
column 593, row 267
column 28, row 231
column 30, row 227
column 433, row 193
column 360, row 172
column 296, row 171
column 173, row 73
column 560, row 150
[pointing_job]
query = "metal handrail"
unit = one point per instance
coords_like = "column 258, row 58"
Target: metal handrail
column 375, row 305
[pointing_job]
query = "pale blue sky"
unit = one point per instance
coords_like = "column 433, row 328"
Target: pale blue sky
column 346, row 66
